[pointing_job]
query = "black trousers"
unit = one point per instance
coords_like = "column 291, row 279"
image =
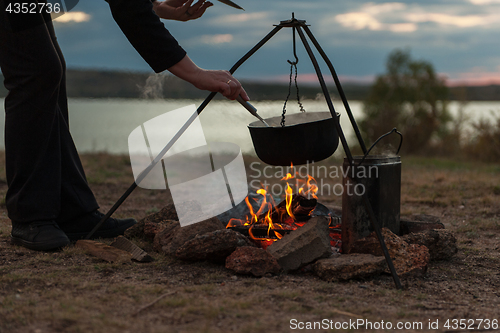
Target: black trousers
column 44, row 173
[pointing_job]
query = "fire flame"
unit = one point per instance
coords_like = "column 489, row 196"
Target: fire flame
column 273, row 218
column 289, row 197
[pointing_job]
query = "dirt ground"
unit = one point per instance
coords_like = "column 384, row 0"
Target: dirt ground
column 70, row 291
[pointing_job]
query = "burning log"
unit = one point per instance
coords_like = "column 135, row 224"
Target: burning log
column 304, row 207
column 262, row 230
column 300, row 207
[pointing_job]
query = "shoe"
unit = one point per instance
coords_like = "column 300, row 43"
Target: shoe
column 39, row 236
column 80, row 227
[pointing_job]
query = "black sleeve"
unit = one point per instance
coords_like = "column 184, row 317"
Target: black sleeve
column 146, row 33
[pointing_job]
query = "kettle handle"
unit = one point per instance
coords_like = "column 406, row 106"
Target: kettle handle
column 380, row 138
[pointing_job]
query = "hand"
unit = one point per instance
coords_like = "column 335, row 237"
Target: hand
column 180, row 10
column 220, row 81
column 212, row 80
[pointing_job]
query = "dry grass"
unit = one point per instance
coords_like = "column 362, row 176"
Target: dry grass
column 69, row 291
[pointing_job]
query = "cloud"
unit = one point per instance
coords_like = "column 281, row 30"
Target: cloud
column 484, row 2
column 254, row 18
column 456, row 20
column 216, row 39
column 400, row 18
column 358, row 21
column 368, row 18
column 375, row 9
column 402, row 27
column 77, row 17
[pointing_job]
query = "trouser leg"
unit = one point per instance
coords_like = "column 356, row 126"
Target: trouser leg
column 44, row 173
column 76, row 197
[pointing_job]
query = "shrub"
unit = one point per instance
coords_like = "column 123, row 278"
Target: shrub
column 411, row 97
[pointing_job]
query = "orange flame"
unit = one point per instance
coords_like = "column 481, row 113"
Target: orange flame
column 289, row 197
column 312, row 188
column 289, row 175
column 251, row 210
column 260, row 219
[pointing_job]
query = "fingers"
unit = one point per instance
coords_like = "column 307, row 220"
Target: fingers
column 201, row 10
column 197, row 10
column 186, row 5
column 185, row 10
column 197, row 6
column 244, row 94
column 232, row 89
column 220, row 81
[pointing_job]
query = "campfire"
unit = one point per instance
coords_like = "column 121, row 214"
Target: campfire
column 271, row 221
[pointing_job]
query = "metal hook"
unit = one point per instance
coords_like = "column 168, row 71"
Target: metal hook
column 294, row 49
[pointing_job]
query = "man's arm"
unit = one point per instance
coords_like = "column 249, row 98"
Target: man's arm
column 147, row 33
column 217, row 81
column 160, row 50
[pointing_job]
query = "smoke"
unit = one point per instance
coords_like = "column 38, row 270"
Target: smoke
column 389, row 150
column 386, row 150
column 153, row 88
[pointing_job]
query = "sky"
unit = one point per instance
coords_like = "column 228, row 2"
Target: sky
column 459, row 37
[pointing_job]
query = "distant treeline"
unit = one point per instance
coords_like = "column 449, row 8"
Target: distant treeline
column 115, row 84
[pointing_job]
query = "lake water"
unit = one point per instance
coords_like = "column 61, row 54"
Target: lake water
column 100, row 125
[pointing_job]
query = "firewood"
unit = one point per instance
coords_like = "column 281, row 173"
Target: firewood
column 103, row 251
column 301, row 207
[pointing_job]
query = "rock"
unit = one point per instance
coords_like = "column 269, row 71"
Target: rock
column 214, row 246
column 151, row 229
column 304, row 245
column 135, row 231
column 419, row 223
column 252, row 260
column 418, row 262
column 349, row 266
column 165, row 214
column 148, row 230
column 407, row 259
column 174, row 236
column 441, row 243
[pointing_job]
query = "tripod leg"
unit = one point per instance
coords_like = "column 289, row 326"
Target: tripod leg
column 366, row 202
column 339, row 87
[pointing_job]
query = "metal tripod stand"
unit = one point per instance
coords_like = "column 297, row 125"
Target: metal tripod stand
column 300, row 27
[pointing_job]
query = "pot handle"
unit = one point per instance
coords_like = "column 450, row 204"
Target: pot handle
column 380, row 138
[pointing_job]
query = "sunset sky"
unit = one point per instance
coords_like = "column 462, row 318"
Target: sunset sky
column 459, row 37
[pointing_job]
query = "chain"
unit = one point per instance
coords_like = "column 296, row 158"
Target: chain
column 289, row 93
column 293, row 64
column 297, row 88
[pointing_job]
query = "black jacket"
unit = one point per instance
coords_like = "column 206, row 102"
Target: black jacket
column 146, row 33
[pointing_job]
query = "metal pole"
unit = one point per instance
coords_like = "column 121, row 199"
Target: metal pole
column 339, row 87
column 327, row 95
column 366, row 202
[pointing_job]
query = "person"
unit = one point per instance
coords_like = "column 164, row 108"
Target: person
column 49, row 201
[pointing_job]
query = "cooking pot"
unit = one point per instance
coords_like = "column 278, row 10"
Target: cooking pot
column 306, row 137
